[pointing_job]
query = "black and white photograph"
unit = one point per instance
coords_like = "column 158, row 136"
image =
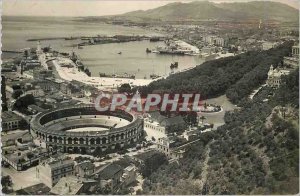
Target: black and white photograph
column 149, row 97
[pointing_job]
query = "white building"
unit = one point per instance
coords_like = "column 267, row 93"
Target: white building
column 269, row 45
column 292, row 61
column 274, row 76
column 70, row 185
column 153, row 125
column 295, row 50
column 191, row 133
column 52, row 170
column 214, row 40
column 129, row 175
column 168, row 146
column 38, row 92
column 10, row 121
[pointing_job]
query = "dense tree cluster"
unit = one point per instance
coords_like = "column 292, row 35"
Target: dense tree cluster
column 125, row 88
column 252, row 79
column 178, row 178
column 255, row 152
column 152, row 163
column 6, row 183
column 289, row 91
column 236, row 76
column 23, row 102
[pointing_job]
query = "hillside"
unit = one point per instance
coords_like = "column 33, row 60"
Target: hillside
column 255, row 152
column 205, row 10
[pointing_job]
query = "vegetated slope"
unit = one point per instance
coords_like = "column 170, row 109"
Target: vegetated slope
column 264, row 10
column 236, row 76
column 255, row 152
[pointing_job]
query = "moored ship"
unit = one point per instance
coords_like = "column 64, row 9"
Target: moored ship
column 154, row 76
column 70, row 38
column 154, row 39
column 125, row 75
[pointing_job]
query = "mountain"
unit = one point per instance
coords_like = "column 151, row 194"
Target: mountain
column 204, row 10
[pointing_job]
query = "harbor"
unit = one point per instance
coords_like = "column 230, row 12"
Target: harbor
column 131, row 58
column 69, row 67
column 176, row 47
column 98, row 58
column 71, row 73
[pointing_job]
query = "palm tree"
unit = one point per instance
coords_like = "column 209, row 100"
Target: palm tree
column 202, row 118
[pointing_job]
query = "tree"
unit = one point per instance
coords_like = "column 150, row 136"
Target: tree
column 3, row 93
column 105, row 190
column 125, row 88
column 46, row 49
column 87, row 71
column 202, row 118
column 191, row 118
column 236, row 76
column 24, row 101
column 152, row 163
column 139, row 192
column 6, row 181
column 16, row 94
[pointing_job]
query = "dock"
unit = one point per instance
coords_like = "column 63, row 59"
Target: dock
column 12, row 51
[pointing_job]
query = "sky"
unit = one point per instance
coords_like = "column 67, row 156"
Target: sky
column 91, row 7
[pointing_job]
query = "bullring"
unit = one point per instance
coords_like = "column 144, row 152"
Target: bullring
column 82, row 129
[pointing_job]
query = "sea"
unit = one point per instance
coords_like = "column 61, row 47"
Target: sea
column 104, row 58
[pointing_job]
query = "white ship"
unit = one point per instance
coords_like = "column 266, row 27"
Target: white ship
column 177, row 47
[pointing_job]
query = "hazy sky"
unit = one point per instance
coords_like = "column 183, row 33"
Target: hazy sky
column 90, row 7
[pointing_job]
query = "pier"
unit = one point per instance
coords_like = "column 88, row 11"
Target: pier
column 12, row 51
column 46, row 39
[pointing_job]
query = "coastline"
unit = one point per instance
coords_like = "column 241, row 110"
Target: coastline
column 70, row 74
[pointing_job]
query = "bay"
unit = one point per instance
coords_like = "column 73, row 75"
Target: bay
column 102, row 58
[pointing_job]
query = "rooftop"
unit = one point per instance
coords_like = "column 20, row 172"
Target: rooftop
column 108, row 172
column 164, row 120
column 144, row 156
column 124, row 162
column 38, row 189
column 10, row 116
column 58, row 161
column 67, row 186
column 36, row 108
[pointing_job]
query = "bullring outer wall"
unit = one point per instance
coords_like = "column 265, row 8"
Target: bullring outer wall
column 49, row 128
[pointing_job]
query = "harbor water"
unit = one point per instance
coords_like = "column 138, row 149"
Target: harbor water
column 104, row 58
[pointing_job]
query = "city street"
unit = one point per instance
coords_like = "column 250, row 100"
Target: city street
column 21, row 179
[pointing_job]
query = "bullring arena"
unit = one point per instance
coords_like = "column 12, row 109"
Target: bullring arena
column 82, row 129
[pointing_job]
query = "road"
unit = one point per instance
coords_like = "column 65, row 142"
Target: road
column 21, row 179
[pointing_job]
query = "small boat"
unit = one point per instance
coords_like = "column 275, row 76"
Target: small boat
column 79, row 47
column 148, row 50
column 119, row 52
column 70, row 38
column 154, row 76
column 192, row 54
column 174, row 65
column 125, row 75
column 155, row 51
column 154, row 39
